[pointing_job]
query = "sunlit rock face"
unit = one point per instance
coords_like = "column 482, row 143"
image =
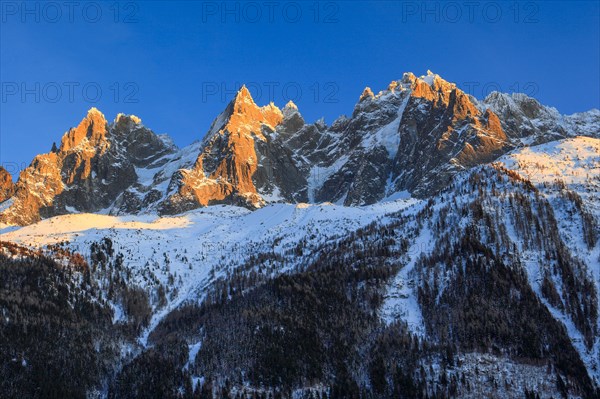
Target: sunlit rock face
column 412, row 138
column 7, row 186
column 94, row 164
column 241, row 162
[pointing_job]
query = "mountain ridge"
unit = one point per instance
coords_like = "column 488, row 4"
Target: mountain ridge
column 414, row 137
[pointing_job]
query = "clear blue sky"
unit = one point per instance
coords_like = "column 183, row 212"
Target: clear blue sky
column 175, row 64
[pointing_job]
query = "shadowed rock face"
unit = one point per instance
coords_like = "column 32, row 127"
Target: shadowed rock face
column 442, row 131
column 414, row 136
column 7, row 187
column 417, row 135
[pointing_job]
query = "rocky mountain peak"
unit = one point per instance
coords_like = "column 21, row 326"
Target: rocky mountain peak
column 127, row 121
column 289, row 108
column 246, row 113
column 408, row 78
column 524, row 119
column 226, row 167
column 243, row 101
column 433, row 88
column 392, row 86
column 243, row 95
column 291, row 105
column 243, row 117
column 366, row 94
column 91, row 130
column 94, row 165
column 292, row 120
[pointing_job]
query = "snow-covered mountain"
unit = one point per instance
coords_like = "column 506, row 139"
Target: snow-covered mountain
column 429, row 245
column 414, row 136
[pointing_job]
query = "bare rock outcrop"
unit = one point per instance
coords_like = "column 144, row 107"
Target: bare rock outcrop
column 7, row 187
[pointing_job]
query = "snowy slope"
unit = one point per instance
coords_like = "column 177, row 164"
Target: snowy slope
column 201, row 245
column 557, row 168
column 575, row 161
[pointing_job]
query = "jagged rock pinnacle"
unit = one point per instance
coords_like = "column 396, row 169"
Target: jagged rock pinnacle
column 367, row 93
column 123, row 118
column 291, row 105
column 291, row 110
column 93, row 127
column 243, row 94
column 95, row 111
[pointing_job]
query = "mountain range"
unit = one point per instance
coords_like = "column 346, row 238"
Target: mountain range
column 429, row 245
column 413, row 137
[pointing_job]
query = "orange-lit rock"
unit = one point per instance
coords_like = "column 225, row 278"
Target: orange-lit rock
column 7, row 187
column 92, row 167
column 228, row 163
column 91, row 132
column 366, row 94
